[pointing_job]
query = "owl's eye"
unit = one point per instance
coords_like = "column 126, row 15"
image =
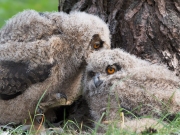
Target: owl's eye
column 96, row 46
column 96, row 42
column 110, row 70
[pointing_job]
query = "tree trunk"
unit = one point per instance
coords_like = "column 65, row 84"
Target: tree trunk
column 150, row 29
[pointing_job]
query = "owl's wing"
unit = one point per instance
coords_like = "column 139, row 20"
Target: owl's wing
column 16, row 77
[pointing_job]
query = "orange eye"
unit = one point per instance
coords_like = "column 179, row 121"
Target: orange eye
column 96, row 46
column 110, row 70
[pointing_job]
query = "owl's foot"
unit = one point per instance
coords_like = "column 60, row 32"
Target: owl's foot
column 55, row 100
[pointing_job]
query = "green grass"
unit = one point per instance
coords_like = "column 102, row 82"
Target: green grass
column 73, row 128
column 9, row 8
column 169, row 128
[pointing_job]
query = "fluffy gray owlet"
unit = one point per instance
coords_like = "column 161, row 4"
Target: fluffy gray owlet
column 43, row 53
column 114, row 78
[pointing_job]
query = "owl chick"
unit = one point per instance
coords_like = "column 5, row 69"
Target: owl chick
column 115, row 79
column 42, row 55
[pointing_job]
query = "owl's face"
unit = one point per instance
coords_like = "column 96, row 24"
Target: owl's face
column 102, row 66
column 87, row 31
column 105, row 65
column 91, row 31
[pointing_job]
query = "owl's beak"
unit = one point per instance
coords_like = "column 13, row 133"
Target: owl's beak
column 97, row 81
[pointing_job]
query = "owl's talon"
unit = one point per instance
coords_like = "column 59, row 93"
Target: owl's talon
column 56, row 99
column 39, row 118
column 40, row 110
column 58, row 96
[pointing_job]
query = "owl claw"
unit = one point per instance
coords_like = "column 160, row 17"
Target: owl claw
column 56, row 99
column 58, row 96
column 39, row 119
column 40, row 110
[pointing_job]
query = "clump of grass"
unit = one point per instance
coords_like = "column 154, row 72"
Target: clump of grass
column 72, row 127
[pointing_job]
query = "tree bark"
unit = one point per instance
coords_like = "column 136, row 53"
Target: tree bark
column 149, row 29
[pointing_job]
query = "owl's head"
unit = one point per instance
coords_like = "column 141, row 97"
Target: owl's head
column 104, row 65
column 86, row 30
column 109, row 66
